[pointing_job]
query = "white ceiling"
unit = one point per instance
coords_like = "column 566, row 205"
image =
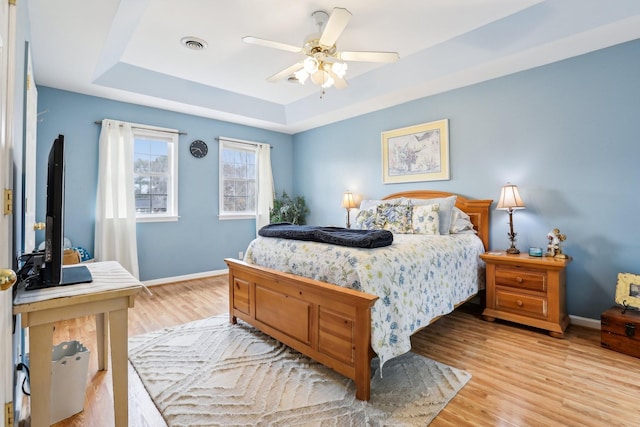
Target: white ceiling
column 130, row 50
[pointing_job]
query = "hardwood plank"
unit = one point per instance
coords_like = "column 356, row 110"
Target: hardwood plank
column 521, row 376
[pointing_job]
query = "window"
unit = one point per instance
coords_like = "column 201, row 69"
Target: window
column 238, row 179
column 155, row 174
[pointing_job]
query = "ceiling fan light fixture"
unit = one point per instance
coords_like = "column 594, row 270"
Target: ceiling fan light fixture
column 323, row 64
column 311, row 65
column 317, row 78
column 301, row 76
column 322, row 78
column 339, row 68
column 328, row 83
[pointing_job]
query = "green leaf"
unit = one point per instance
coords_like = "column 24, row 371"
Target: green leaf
column 286, row 209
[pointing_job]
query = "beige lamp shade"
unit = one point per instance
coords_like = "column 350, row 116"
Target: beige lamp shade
column 510, row 198
column 347, row 200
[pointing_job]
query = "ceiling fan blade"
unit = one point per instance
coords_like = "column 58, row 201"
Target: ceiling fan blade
column 369, row 56
column 286, row 72
column 269, row 43
column 335, row 26
column 338, row 81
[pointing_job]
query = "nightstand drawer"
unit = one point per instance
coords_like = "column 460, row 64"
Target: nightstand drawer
column 524, row 304
column 534, row 280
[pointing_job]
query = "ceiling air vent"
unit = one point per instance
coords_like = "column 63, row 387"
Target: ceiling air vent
column 194, row 43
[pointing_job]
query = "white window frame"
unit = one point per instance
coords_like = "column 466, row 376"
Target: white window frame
column 171, row 138
column 238, row 145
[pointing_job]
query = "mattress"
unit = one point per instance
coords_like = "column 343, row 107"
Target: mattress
column 417, row 278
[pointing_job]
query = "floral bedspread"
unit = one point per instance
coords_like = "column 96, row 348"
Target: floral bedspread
column 417, row 278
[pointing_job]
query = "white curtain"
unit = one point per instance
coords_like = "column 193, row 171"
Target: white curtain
column 115, row 238
column 265, row 186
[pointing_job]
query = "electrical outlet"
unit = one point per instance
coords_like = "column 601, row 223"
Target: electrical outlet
column 240, row 255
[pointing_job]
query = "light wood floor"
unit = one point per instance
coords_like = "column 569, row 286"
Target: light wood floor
column 521, row 376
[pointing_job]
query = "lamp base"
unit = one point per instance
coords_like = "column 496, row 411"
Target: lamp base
column 513, row 251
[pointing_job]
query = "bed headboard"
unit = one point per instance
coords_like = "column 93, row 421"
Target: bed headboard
column 478, row 210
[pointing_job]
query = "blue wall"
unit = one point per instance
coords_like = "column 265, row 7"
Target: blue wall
column 198, row 242
column 566, row 134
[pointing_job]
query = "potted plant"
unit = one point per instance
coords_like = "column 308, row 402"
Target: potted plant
column 286, row 209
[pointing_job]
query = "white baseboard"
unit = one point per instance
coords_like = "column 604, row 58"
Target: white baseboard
column 193, row 276
column 585, row 321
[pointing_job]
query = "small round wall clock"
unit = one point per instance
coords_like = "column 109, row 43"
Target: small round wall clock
column 198, row 149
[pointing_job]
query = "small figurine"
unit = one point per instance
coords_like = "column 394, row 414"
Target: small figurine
column 553, row 248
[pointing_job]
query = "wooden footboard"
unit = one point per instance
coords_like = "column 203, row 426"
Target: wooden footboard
column 328, row 323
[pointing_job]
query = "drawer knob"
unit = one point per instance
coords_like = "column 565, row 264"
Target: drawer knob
column 519, row 279
column 520, row 303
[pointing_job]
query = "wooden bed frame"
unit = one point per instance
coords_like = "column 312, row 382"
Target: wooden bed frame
column 329, row 323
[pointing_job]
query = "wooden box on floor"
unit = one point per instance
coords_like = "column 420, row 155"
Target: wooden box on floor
column 621, row 332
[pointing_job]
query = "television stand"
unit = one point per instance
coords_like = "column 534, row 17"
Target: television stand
column 108, row 297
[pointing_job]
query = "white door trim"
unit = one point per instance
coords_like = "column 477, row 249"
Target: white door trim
column 7, row 86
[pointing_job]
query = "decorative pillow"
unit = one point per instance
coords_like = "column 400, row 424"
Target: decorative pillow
column 446, row 208
column 84, row 254
column 366, row 204
column 365, row 219
column 394, row 217
column 460, row 221
column 426, row 219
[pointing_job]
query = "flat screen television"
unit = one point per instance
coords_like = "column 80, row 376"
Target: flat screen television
column 52, row 273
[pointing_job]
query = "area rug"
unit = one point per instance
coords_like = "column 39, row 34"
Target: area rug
column 212, row 373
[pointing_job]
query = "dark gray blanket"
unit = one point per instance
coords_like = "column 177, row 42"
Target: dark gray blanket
column 333, row 235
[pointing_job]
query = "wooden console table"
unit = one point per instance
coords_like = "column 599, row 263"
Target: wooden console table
column 108, row 296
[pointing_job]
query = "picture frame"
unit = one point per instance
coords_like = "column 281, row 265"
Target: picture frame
column 628, row 290
column 416, row 153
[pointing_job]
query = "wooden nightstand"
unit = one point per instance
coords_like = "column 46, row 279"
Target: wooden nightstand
column 527, row 290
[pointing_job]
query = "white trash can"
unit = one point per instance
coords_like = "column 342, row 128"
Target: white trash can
column 70, row 364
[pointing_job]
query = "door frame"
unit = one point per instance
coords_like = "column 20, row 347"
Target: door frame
column 7, row 137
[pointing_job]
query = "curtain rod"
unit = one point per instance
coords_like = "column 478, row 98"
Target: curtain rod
column 99, row 122
column 240, row 141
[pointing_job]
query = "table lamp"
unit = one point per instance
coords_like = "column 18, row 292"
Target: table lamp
column 510, row 200
column 348, row 203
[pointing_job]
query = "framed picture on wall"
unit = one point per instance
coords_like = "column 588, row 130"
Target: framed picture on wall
column 416, row 153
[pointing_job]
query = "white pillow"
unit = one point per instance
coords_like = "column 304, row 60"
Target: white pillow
column 426, row 219
column 460, row 221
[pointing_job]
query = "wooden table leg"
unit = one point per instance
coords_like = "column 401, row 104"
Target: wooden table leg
column 119, row 372
column 40, row 348
column 102, row 337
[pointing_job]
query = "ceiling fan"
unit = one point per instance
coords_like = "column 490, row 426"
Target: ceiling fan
column 323, row 64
